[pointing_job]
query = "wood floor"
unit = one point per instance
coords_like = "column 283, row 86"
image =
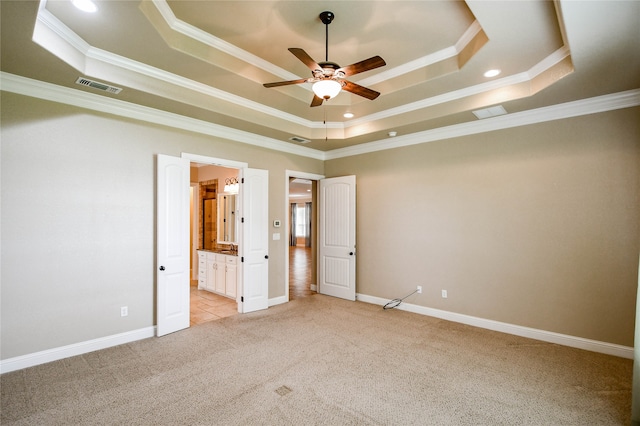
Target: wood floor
column 207, row 306
column 299, row 272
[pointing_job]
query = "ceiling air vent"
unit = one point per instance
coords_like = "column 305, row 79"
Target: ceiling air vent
column 299, row 139
column 490, row 112
column 97, row 85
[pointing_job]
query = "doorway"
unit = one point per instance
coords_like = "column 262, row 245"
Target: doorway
column 212, row 227
column 301, row 228
column 173, row 237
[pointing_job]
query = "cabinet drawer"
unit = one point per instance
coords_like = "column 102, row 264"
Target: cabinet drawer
column 232, row 260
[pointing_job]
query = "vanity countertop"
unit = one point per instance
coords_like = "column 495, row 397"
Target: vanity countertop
column 220, row 251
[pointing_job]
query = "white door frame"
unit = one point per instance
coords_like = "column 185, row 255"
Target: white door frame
column 241, row 166
column 195, row 189
column 291, row 174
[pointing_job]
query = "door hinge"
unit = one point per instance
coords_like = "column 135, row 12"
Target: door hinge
column 242, row 180
column 242, row 298
column 241, row 259
column 242, row 220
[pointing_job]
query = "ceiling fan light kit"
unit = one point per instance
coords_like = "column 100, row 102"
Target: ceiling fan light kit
column 328, row 77
column 326, row 89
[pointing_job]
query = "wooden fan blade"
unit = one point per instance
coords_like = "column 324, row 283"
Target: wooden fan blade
column 306, row 59
column 360, row 90
column 285, row 83
column 362, row 66
column 316, row 101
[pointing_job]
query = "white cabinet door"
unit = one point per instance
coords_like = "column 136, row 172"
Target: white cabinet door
column 211, row 272
column 220, row 273
column 231, row 276
column 172, row 197
column 337, row 245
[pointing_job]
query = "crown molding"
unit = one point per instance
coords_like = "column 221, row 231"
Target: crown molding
column 627, row 99
column 51, row 92
column 60, row 40
column 214, row 42
column 47, row 91
column 425, row 61
column 56, row 37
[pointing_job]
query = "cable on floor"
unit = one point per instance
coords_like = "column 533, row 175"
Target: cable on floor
column 396, row 302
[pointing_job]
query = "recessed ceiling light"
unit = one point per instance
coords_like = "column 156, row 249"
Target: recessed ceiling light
column 492, row 73
column 348, row 115
column 392, row 134
column 85, row 5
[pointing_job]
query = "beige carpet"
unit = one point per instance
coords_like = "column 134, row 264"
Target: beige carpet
column 320, row 360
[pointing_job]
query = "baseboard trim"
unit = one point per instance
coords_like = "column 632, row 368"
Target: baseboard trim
column 278, row 301
column 37, row 358
column 532, row 333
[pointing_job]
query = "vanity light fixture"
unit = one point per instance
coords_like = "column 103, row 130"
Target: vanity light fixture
column 85, row 5
column 231, row 185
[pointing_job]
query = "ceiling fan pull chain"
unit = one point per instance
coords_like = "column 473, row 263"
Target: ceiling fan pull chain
column 326, row 133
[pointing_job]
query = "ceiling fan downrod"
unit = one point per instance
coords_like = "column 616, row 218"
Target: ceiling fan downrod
column 326, row 17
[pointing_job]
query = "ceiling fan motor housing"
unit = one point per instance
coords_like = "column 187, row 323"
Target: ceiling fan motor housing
column 326, row 17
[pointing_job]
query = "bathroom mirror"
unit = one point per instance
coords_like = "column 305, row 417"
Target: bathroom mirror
column 227, row 219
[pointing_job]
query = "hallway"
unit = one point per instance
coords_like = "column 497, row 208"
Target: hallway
column 300, row 272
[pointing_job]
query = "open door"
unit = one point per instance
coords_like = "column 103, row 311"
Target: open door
column 172, row 245
column 255, row 240
column 337, row 239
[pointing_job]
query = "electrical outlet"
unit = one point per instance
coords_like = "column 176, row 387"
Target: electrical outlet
column 444, row 294
column 124, row 311
column 419, row 289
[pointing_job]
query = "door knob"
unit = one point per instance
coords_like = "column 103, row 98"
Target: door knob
column 266, row 256
column 350, row 253
column 162, row 268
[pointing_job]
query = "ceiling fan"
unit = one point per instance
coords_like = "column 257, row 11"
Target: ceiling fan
column 328, row 77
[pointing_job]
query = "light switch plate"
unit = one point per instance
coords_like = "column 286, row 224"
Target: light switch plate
column 276, row 236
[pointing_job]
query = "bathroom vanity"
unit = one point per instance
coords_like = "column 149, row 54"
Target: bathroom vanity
column 218, row 272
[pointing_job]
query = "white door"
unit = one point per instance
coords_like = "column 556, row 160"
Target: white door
column 172, row 245
column 255, row 240
column 337, row 239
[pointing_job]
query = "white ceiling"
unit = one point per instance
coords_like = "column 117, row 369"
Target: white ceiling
column 208, row 60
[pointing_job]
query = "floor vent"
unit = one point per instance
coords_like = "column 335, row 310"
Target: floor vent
column 283, row 390
column 299, row 139
column 97, row 85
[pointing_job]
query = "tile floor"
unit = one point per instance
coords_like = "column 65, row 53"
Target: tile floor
column 207, row 306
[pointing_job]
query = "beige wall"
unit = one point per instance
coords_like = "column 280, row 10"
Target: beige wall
column 78, row 219
column 536, row 226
